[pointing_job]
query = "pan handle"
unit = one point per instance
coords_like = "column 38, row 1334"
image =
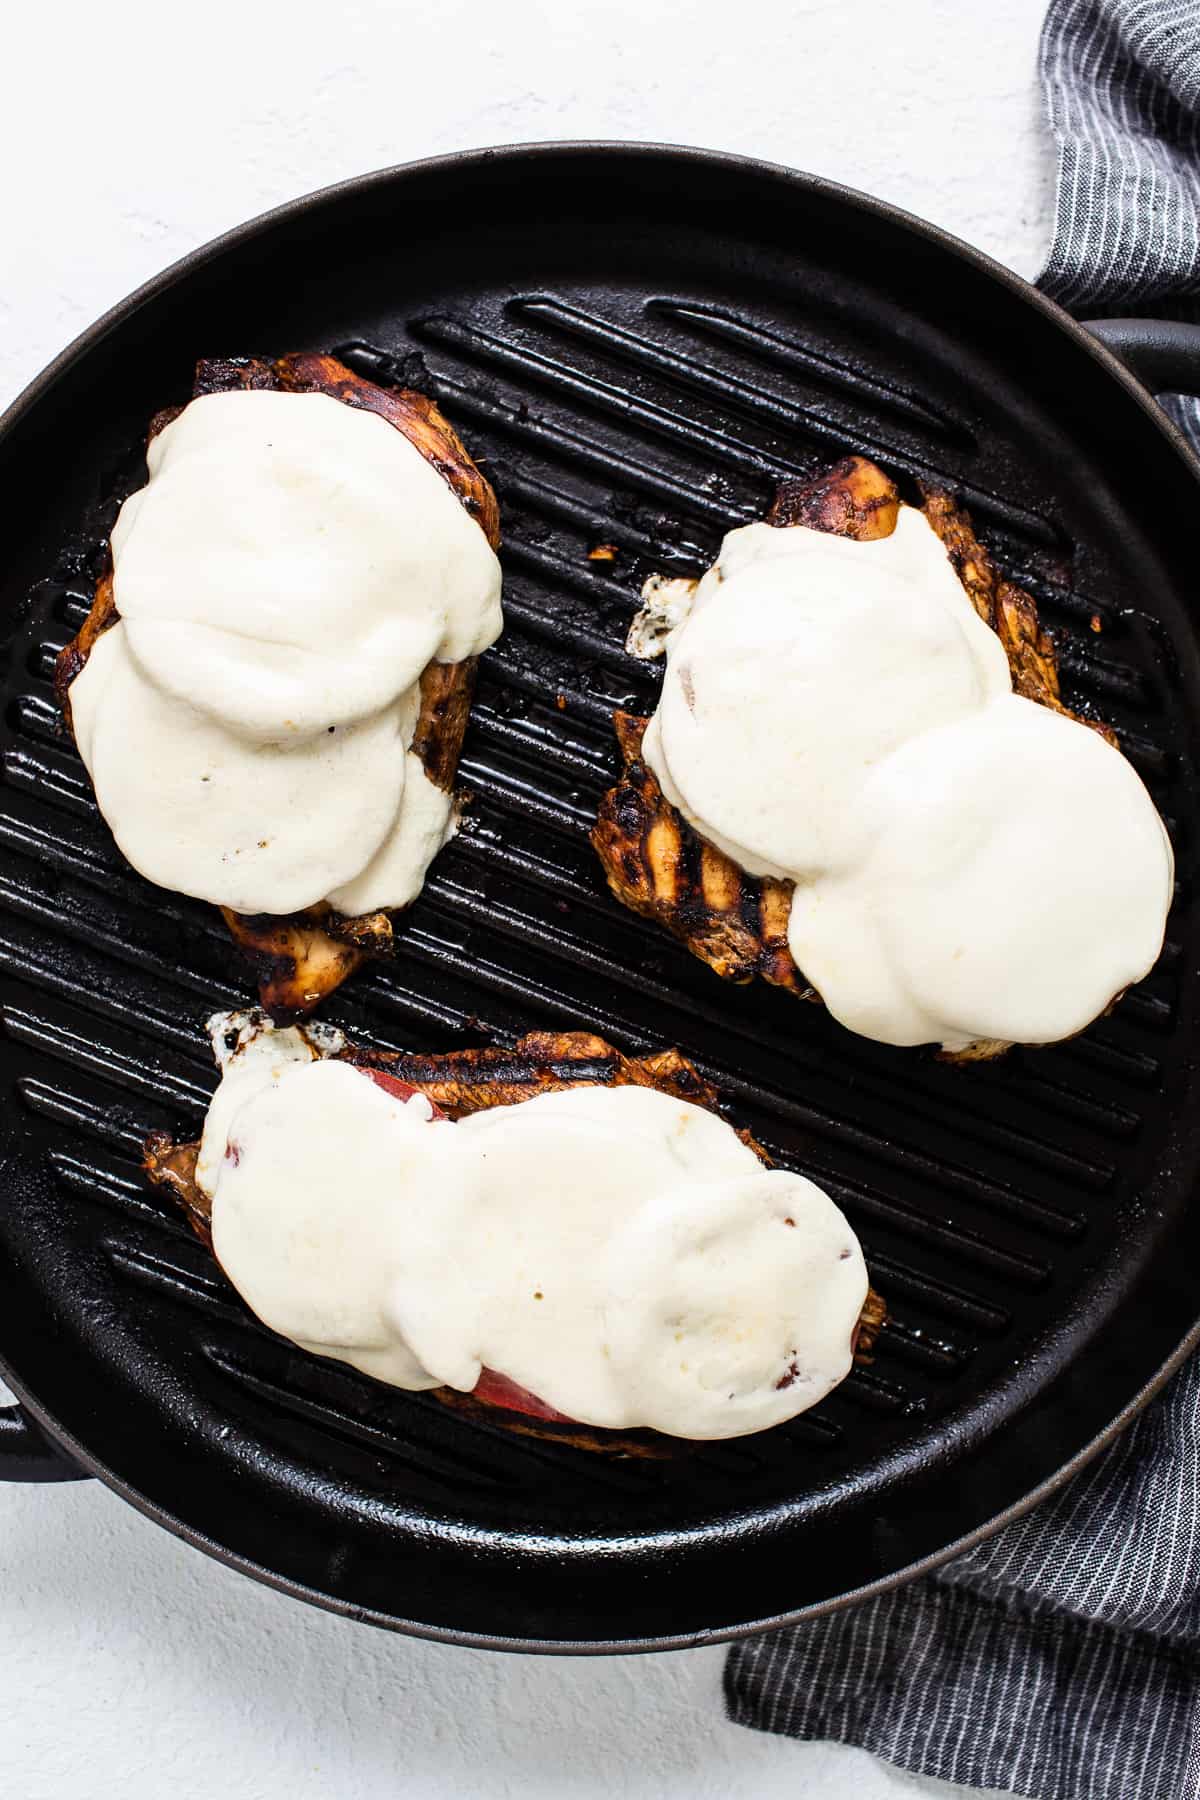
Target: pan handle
column 1164, row 354
column 26, row 1454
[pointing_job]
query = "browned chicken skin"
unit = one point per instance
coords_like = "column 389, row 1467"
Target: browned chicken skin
column 659, row 867
column 300, row 958
column 461, row 1082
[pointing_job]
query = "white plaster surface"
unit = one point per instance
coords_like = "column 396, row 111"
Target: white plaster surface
column 130, row 1665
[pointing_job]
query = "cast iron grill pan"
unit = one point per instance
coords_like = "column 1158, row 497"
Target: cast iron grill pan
column 637, row 345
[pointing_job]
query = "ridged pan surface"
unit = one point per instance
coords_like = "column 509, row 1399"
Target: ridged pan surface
column 636, row 346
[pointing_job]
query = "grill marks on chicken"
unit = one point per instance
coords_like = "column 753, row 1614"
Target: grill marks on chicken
column 663, row 870
column 299, row 959
column 462, row 1082
column 659, row 867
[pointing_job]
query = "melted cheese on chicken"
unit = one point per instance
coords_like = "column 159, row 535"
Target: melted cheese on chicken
column 283, row 578
column 967, row 864
column 619, row 1253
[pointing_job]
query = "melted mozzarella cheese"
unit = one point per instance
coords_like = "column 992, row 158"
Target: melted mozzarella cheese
column 294, row 562
column 795, row 615
column 258, row 827
column 618, row 1253
column 968, row 865
column 251, row 1057
column 1016, row 921
column 396, row 873
column 288, row 571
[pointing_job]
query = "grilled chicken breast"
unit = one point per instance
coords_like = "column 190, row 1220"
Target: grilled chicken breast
column 298, row 959
column 659, row 867
column 463, row 1082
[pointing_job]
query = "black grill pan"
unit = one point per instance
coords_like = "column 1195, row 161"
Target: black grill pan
column 637, row 343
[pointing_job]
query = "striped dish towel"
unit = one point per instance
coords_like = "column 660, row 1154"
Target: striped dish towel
column 1061, row 1659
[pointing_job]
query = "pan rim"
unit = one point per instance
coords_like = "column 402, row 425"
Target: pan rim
column 354, row 186
column 694, row 158
column 693, row 1640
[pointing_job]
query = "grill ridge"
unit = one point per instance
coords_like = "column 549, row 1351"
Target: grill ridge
column 51, row 778
column 287, row 1391
column 117, row 1189
column 207, row 1290
column 639, row 352
column 787, row 353
column 493, row 351
column 102, row 1061
column 145, row 1017
column 79, row 1113
column 515, row 420
column 714, row 443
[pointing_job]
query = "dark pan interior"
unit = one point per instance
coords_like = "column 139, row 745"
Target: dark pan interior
column 636, row 345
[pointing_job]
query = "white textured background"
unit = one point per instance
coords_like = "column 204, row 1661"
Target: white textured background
column 130, row 1665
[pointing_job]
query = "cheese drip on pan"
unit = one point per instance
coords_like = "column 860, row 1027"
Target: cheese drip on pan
column 616, row 1252
column 287, row 572
column 968, row 865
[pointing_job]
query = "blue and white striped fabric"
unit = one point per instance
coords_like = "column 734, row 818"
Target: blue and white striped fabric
column 1122, row 85
column 1061, row 1659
